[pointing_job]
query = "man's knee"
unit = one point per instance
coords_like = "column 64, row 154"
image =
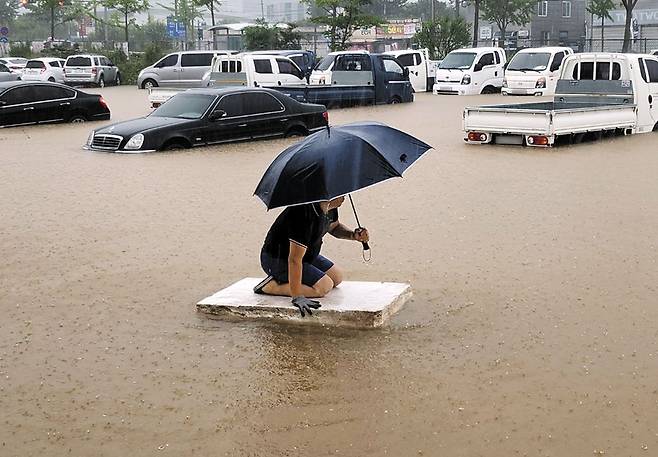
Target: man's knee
column 336, row 275
column 324, row 285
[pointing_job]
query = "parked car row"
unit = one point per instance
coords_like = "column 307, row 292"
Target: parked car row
column 82, row 69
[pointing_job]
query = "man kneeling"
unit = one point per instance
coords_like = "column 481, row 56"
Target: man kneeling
column 291, row 253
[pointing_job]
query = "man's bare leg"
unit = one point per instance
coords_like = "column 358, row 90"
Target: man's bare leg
column 319, row 289
column 336, row 275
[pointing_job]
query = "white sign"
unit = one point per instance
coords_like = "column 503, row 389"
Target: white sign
column 485, row 33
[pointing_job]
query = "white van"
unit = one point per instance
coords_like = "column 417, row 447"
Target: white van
column 321, row 74
column 471, row 71
column 422, row 70
column 178, row 69
column 534, row 71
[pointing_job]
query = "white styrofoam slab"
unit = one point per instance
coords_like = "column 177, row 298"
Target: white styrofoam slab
column 351, row 304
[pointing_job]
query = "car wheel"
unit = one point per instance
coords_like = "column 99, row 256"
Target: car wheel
column 117, row 81
column 77, row 119
column 297, row 130
column 395, row 101
column 174, row 145
column 149, row 84
column 51, row 79
column 101, row 82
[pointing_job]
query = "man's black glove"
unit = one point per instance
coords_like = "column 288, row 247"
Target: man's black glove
column 305, row 305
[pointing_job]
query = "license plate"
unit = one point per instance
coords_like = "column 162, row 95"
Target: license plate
column 446, row 88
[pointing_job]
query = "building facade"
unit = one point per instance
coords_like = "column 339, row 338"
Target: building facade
column 277, row 11
column 560, row 23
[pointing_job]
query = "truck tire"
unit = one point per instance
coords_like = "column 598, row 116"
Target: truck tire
column 488, row 90
column 395, row 100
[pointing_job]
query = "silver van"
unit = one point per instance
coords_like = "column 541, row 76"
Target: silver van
column 91, row 69
column 179, row 69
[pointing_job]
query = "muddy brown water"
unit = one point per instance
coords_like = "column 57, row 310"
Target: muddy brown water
column 532, row 332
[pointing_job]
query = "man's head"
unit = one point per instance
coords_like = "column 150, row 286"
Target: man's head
column 336, row 202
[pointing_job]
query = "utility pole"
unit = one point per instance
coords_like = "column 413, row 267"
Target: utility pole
column 432, row 8
column 262, row 11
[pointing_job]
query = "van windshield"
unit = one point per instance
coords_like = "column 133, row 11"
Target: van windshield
column 325, row 63
column 185, row 106
column 458, row 61
column 529, row 61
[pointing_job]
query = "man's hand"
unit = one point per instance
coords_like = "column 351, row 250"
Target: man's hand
column 361, row 235
column 305, row 305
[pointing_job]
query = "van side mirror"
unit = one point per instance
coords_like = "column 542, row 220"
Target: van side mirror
column 216, row 115
column 478, row 67
column 555, row 66
column 405, row 72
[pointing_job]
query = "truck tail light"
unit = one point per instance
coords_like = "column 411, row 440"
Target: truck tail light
column 94, row 70
column 325, row 115
column 477, row 136
column 537, row 140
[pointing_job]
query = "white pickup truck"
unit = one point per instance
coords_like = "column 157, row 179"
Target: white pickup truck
column 598, row 94
column 422, row 70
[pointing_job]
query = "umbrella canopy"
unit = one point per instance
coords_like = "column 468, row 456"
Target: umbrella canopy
column 337, row 161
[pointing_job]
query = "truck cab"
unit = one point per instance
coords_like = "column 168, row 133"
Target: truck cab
column 422, row 70
column 471, row 71
column 534, row 71
column 321, row 74
column 254, row 70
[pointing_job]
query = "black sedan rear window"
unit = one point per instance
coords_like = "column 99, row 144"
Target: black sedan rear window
column 185, row 106
column 78, row 62
column 35, row 64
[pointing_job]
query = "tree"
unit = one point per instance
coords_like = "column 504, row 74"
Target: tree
column 260, row 36
column 445, row 34
column 264, row 36
column 629, row 5
column 601, row 9
column 212, row 6
column 185, row 11
column 127, row 8
column 8, row 11
column 506, row 12
column 476, row 22
column 387, row 9
column 342, row 18
column 423, row 9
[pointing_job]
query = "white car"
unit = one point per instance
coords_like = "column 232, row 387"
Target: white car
column 15, row 64
column 321, row 74
column 44, row 69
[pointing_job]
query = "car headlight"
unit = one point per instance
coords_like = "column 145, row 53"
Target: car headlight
column 90, row 138
column 504, row 82
column 541, row 83
column 466, row 80
column 135, row 142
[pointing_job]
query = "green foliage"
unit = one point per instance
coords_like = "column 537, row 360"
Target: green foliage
column 263, row 36
column 443, row 35
column 21, row 50
column 601, row 8
column 186, row 13
column 506, row 12
column 130, row 67
column 342, row 18
column 8, row 11
column 127, row 8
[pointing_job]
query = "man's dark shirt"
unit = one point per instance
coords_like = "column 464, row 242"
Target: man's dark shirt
column 301, row 224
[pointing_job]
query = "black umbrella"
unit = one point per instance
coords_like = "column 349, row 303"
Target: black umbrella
column 337, row 161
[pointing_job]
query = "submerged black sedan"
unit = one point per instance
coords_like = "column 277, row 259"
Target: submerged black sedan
column 199, row 117
column 26, row 102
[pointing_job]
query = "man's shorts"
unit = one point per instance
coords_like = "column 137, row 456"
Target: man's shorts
column 312, row 271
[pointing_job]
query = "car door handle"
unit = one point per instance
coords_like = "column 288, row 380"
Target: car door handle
column 28, row 108
column 242, row 125
column 284, row 120
column 64, row 104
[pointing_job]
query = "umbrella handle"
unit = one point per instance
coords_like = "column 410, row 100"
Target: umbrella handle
column 366, row 247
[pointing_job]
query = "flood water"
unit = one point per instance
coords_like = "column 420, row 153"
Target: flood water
column 533, row 329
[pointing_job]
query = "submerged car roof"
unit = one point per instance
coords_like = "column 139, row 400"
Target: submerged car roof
column 228, row 90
